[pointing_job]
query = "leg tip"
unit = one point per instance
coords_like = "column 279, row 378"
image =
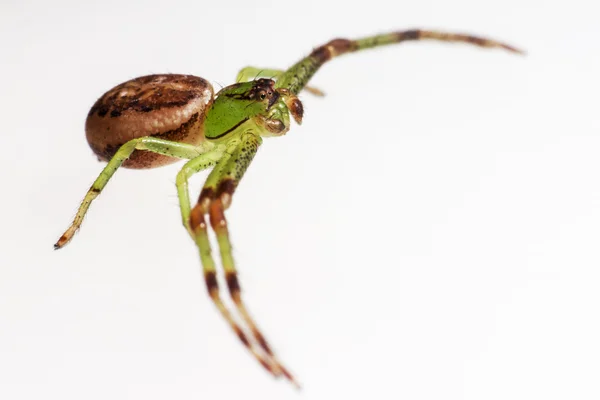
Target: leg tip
column 514, row 50
column 61, row 243
column 291, row 379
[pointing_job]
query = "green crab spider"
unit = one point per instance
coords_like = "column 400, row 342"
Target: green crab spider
column 158, row 119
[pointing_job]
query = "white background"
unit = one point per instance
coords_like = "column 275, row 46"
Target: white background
column 430, row 232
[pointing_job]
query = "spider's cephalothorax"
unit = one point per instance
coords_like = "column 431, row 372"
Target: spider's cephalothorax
column 154, row 120
column 255, row 105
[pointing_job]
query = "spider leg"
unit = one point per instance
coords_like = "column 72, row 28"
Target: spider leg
column 195, row 222
column 247, row 74
column 296, row 77
column 214, row 199
column 155, row 145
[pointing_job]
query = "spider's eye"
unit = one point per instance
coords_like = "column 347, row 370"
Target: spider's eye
column 262, row 95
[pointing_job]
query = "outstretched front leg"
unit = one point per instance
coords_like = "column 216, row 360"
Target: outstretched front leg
column 152, row 144
column 214, row 199
column 297, row 76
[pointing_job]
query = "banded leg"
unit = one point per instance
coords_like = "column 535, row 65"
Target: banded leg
column 297, row 76
column 251, row 73
column 231, row 174
column 155, row 145
column 198, row 228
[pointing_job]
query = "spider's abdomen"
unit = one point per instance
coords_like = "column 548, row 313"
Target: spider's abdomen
column 168, row 106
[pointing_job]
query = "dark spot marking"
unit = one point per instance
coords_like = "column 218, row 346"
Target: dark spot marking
column 233, row 285
column 226, row 186
column 263, row 342
column 102, row 111
column 333, row 48
column 476, row 40
column 242, row 336
column 287, row 374
column 412, row 34
column 210, row 277
column 266, row 366
column 207, row 193
column 321, row 54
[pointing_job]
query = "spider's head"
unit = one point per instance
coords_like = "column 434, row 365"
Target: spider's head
column 256, row 101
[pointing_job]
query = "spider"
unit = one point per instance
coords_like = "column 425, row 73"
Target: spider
column 156, row 120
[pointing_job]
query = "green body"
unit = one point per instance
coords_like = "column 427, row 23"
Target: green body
column 240, row 115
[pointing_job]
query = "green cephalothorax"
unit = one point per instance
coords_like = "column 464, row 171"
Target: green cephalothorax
column 156, row 119
column 256, row 106
column 237, row 104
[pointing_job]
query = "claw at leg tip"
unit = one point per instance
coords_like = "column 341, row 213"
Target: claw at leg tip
column 295, row 383
column 291, row 378
column 60, row 244
column 514, row 50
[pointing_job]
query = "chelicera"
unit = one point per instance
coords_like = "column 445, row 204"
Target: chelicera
column 159, row 119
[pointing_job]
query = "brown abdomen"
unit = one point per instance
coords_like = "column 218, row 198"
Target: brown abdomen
column 169, row 106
